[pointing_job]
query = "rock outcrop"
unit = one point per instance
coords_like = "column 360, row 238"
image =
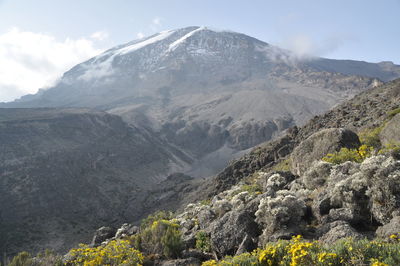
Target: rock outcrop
column 319, row 145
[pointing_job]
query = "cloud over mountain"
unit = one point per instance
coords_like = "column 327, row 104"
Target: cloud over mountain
column 33, row 60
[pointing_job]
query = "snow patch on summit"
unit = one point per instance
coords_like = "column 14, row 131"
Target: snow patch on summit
column 159, row 37
column 176, row 43
column 102, row 65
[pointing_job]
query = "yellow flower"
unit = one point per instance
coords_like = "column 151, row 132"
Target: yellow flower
column 209, row 263
column 376, row 262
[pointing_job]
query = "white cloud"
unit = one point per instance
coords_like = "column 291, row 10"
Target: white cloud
column 140, row 35
column 30, row 60
column 99, row 35
column 156, row 21
column 155, row 24
column 304, row 46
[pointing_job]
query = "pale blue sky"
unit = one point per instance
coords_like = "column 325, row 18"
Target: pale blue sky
column 366, row 30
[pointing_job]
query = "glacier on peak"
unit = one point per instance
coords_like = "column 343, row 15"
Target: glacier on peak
column 176, row 43
column 158, row 37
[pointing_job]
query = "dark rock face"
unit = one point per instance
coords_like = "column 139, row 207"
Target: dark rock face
column 319, row 145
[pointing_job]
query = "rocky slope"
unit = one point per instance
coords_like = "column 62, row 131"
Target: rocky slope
column 367, row 109
column 252, row 203
column 65, row 172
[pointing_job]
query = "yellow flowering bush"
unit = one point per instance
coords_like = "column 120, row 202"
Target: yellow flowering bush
column 297, row 252
column 353, row 155
column 116, row 252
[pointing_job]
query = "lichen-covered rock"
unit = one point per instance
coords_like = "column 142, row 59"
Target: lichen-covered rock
column 392, row 228
column 338, row 230
column 275, row 181
column 384, row 188
column 342, row 214
column 390, row 134
column 321, row 206
column 355, row 192
column 205, row 217
column 242, row 199
column 228, row 233
column 317, row 175
column 126, row 230
column 280, row 216
column 222, row 206
column 319, row 145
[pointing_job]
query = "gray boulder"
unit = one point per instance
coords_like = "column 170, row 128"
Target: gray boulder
column 236, row 229
column 126, row 230
column 101, row 235
column 338, row 230
column 194, row 253
column 393, row 227
column 390, row 134
column 319, row 145
column 316, row 176
column 280, row 216
column 271, row 183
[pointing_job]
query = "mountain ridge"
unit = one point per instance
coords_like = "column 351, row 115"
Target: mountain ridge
column 189, row 86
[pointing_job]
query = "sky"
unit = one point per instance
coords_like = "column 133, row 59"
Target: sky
column 41, row 39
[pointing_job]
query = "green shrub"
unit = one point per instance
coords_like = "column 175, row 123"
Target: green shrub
column 172, row 242
column 161, row 237
column 206, row 202
column 252, row 188
column 370, row 137
column 22, row 259
column 159, row 215
column 390, row 148
column 393, row 112
column 203, row 241
column 284, row 166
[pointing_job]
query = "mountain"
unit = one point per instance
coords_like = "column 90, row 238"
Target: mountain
column 105, row 144
column 212, row 94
